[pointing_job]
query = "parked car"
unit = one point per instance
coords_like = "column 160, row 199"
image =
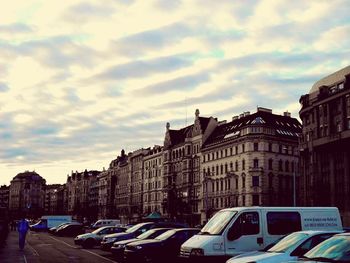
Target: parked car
column 135, row 231
column 105, row 222
column 291, row 247
column 118, row 247
column 94, row 238
column 334, row 249
column 162, row 248
column 52, row 230
column 71, row 230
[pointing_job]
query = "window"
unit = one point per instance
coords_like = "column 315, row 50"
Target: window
column 243, row 164
column 280, row 148
column 236, row 149
column 255, row 180
column 236, row 183
column 270, row 180
column 287, row 166
column 256, row 200
column 256, row 147
column 281, row 223
column 270, row 147
column 270, row 164
column 243, row 182
column 248, row 223
column 256, row 163
column 280, row 165
column 243, row 148
column 236, row 165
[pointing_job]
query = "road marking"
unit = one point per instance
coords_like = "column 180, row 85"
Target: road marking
column 25, row 259
column 62, row 242
column 97, row 255
column 35, row 253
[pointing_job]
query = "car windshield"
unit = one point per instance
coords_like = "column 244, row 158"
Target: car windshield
column 166, row 235
column 98, row 230
column 336, row 248
column 146, row 234
column 134, row 228
column 217, row 223
column 288, row 242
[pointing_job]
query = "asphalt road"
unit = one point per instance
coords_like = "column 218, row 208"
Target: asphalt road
column 46, row 248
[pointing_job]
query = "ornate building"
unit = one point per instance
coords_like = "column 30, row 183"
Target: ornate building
column 50, row 203
column 153, row 180
column 122, row 188
column 27, row 193
column 251, row 160
column 4, row 196
column 325, row 144
column 182, row 179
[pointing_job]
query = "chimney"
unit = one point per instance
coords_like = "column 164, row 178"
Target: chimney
column 287, row 114
column 264, row 110
column 246, row 113
column 234, row 118
column 241, row 115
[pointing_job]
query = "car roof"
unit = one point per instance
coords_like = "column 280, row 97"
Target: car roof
column 316, row 232
column 347, row 234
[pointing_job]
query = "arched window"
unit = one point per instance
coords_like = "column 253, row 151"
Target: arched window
column 256, row 163
column 243, row 164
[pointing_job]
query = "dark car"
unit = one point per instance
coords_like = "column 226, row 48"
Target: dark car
column 70, row 230
column 334, row 249
column 135, row 231
column 89, row 240
column 163, row 248
column 118, row 247
column 52, row 230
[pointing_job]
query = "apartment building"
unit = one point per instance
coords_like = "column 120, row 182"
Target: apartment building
column 250, row 161
column 153, row 180
column 325, row 144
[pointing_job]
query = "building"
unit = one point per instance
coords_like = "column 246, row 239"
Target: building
column 181, row 168
column 153, row 180
column 106, row 191
column 325, row 144
column 250, row 161
column 78, row 190
column 27, row 194
column 4, row 196
column 122, row 188
column 50, row 203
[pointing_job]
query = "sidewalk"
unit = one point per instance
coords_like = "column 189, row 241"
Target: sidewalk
column 11, row 253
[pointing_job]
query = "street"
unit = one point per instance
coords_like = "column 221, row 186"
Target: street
column 45, row 248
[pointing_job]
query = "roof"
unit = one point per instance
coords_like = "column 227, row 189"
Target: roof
column 286, row 127
column 330, row 79
column 179, row 136
column 28, row 175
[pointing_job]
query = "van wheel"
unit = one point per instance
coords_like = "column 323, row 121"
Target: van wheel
column 89, row 243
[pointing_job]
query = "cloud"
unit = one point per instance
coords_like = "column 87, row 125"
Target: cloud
column 3, row 87
column 16, row 28
column 181, row 83
column 142, row 68
column 84, row 12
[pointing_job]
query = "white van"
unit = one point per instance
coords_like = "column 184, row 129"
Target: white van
column 233, row 231
column 105, row 222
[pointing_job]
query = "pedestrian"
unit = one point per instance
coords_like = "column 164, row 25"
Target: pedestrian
column 23, row 227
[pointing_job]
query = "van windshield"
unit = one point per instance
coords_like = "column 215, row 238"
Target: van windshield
column 217, row 223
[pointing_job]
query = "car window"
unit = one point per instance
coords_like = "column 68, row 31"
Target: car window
column 281, row 223
column 310, row 243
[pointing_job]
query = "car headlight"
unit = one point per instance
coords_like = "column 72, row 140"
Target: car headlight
column 121, row 246
column 139, row 247
column 197, row 252
column 110, row 239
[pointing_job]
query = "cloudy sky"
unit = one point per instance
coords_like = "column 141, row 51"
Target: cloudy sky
column 80, row 80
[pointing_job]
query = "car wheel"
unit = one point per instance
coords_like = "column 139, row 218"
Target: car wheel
column 89, row 243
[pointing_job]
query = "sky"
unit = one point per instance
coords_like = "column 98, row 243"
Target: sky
column 81, row 80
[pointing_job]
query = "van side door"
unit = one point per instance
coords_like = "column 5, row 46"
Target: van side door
column 245, row 234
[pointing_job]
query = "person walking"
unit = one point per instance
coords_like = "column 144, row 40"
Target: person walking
column 23, row 227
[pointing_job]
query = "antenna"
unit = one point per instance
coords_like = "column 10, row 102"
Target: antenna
column 186, row 111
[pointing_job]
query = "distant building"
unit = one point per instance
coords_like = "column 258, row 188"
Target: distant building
column 106, row 189
column 50, row 203
column 122, row 188
column 78, row 187
column 325, row 144
column 181, row 167
column 250, row 161
column 153, row 181
column 4, row 196
column 27, row 193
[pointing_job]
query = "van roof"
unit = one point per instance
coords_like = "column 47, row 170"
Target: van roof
column 278, row 208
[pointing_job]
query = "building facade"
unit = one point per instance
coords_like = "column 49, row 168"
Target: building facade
column 27, row 194
column 122, row 188
column 4, row 196
column 51, row 198
column 250, row 161
column 153, row 181
column 181, row 181
column 325, row 144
